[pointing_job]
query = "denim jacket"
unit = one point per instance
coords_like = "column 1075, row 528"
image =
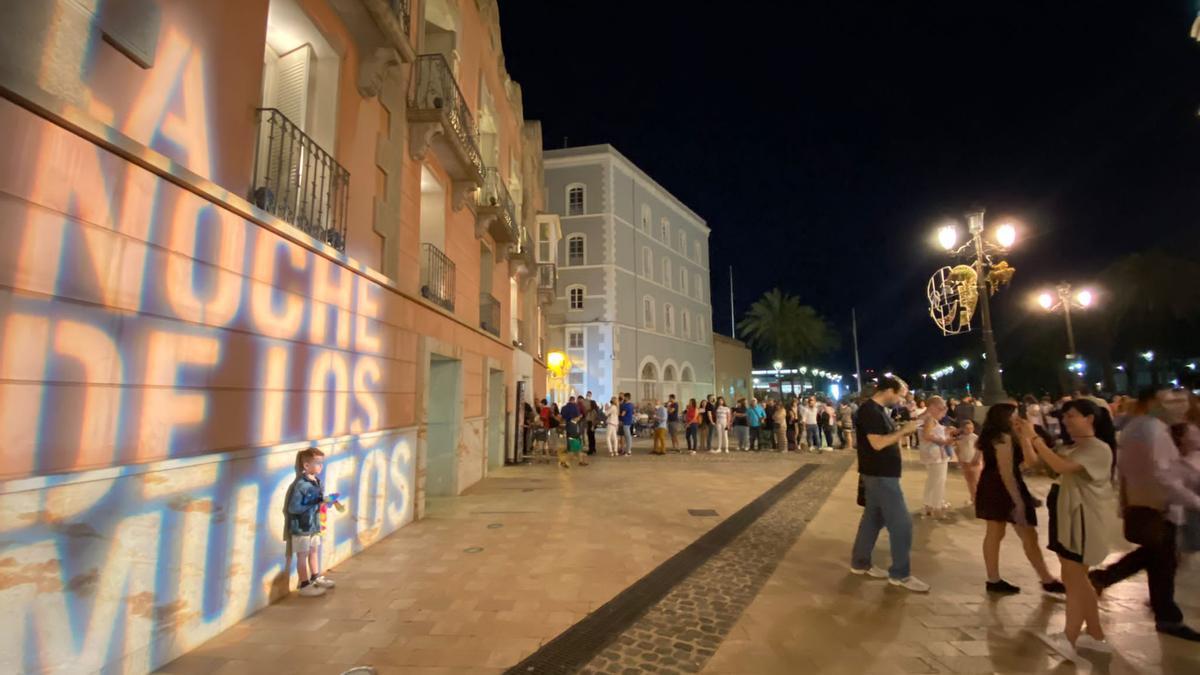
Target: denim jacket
column 304, row 505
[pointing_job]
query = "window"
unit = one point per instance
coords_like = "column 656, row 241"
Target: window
column 645, row 217
column 575, row 250
column 701, row 329
column 699, row 289
column 576, row 194
column 669, row 319
column 683, row 281
column 687, row 325
column 575, row 297
column 648, row 312
column 667, row 272
column 683, row 242
column 574, row 339
column 664, row 231
column 696, row 250
column 543, row 249
column 647, row 263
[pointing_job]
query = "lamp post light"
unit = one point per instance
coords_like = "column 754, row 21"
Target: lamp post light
column 1005, row 236
column 1062, row 298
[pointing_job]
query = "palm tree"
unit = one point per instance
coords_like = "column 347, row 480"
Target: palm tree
column 778, row 324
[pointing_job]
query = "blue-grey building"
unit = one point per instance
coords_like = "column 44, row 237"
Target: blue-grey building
column 633, row 311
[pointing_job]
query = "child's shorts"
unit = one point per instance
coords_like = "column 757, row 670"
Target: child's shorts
column 303, row 543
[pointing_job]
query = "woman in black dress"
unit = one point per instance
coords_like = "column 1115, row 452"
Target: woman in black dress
column 1002, row 498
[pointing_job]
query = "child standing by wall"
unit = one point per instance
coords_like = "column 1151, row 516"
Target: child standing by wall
column 970, row 460
column 305, row 499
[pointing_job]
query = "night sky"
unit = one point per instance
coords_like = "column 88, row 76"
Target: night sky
column 824, row 143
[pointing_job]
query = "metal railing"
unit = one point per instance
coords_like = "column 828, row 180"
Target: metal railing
column 434, row 88
column 403, row 11
column 437, row 276
column 548, row 276
column 495, row 194
column 489, row 314
column 296, row 180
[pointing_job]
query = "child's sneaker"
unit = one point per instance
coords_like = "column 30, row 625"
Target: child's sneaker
column 323, row 582
column 311, row 590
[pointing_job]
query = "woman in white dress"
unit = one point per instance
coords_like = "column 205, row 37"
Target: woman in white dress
column 723, row 417
column 934, row 440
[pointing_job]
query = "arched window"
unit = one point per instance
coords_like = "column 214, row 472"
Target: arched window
column 683, row 280
column 664, row 231
column 576, row 199
column 575, row 297
column 701, row 329
column 687, row 325
column 682, row 242
column 648, row 312
column 699, row 289
column 649, row 382
column 645, row 217
column 669, row 319
column 647, row 263
column 666, row 272
column 686, row 374
column 696, row 250
column 576, row 250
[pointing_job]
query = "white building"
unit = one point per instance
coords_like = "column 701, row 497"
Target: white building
column 633, row 311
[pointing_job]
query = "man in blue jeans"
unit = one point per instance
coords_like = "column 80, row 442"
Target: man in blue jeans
column 627, row 423
column 879, row 471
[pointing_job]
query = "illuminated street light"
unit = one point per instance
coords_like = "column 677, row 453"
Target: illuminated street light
column 1084, row 298
column 779, row 364
column 1046, row 300
column 1006, row 235
column 947, row 236
column 964, row 363
column 1062, row 299
column 1148, row 355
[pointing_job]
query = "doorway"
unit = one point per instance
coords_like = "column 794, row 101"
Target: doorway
column 496, row 419
column 443, row 420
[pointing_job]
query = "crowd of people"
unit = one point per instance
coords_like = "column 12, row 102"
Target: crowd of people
column 1136, row 458
column 710, row 424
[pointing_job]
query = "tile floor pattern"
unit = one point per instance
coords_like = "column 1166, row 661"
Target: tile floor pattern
column 814, row 617
column 555, row 546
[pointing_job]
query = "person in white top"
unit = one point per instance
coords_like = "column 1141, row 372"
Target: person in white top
column 970, row 460
column 723, row 417
column 934, row 440
column 808, row 414
column 612, row 413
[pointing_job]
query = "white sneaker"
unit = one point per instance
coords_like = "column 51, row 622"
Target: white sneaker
column 911, row 583
column 727, row 451
column 312, row 591
column 1060, row 644
column 1085, row 641
column 874, row 572
column 324, row 582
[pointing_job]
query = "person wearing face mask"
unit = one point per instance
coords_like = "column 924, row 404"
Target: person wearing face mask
column 1154, row 483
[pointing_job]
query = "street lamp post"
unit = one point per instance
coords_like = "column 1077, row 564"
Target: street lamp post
column 993, row 387
column 1063, row 298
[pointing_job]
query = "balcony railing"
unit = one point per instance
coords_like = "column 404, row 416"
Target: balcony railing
column 403, row 11
column 435, row 91
column 547, row 276
column 495, row 207
column 296, row 180
column 437, row 276
column 489, row 314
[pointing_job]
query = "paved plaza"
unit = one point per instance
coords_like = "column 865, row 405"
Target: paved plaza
column 710, row 563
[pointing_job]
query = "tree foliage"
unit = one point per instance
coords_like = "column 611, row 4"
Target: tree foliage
column 778, row 325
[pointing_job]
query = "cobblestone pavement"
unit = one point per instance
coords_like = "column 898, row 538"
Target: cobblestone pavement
column 682, row 631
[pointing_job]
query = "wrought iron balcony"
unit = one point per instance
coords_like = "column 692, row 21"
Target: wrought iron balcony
column 438, row 118
column 547, row 282
column 402, row 9
column 437, row 276
column 489, row 314
column 296, row 180
column 494, row 210
column 520, row 253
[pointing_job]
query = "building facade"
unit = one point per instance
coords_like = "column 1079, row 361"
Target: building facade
column 734, row 363
column 237, row 229
column 632, row 312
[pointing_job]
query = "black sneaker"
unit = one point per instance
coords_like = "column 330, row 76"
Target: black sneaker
column 1055, row 587
column 1179, row 630
column 1002, row 587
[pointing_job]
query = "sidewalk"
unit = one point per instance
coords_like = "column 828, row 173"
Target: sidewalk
column 812, row 616
column 488, row 577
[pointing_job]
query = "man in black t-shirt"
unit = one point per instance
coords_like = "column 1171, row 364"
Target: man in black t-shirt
column 879, row 472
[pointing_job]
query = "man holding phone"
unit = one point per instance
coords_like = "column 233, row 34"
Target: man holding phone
column 879, row 467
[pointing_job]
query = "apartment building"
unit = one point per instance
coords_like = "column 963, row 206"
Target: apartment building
column 237, row 229
column 633, row 309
